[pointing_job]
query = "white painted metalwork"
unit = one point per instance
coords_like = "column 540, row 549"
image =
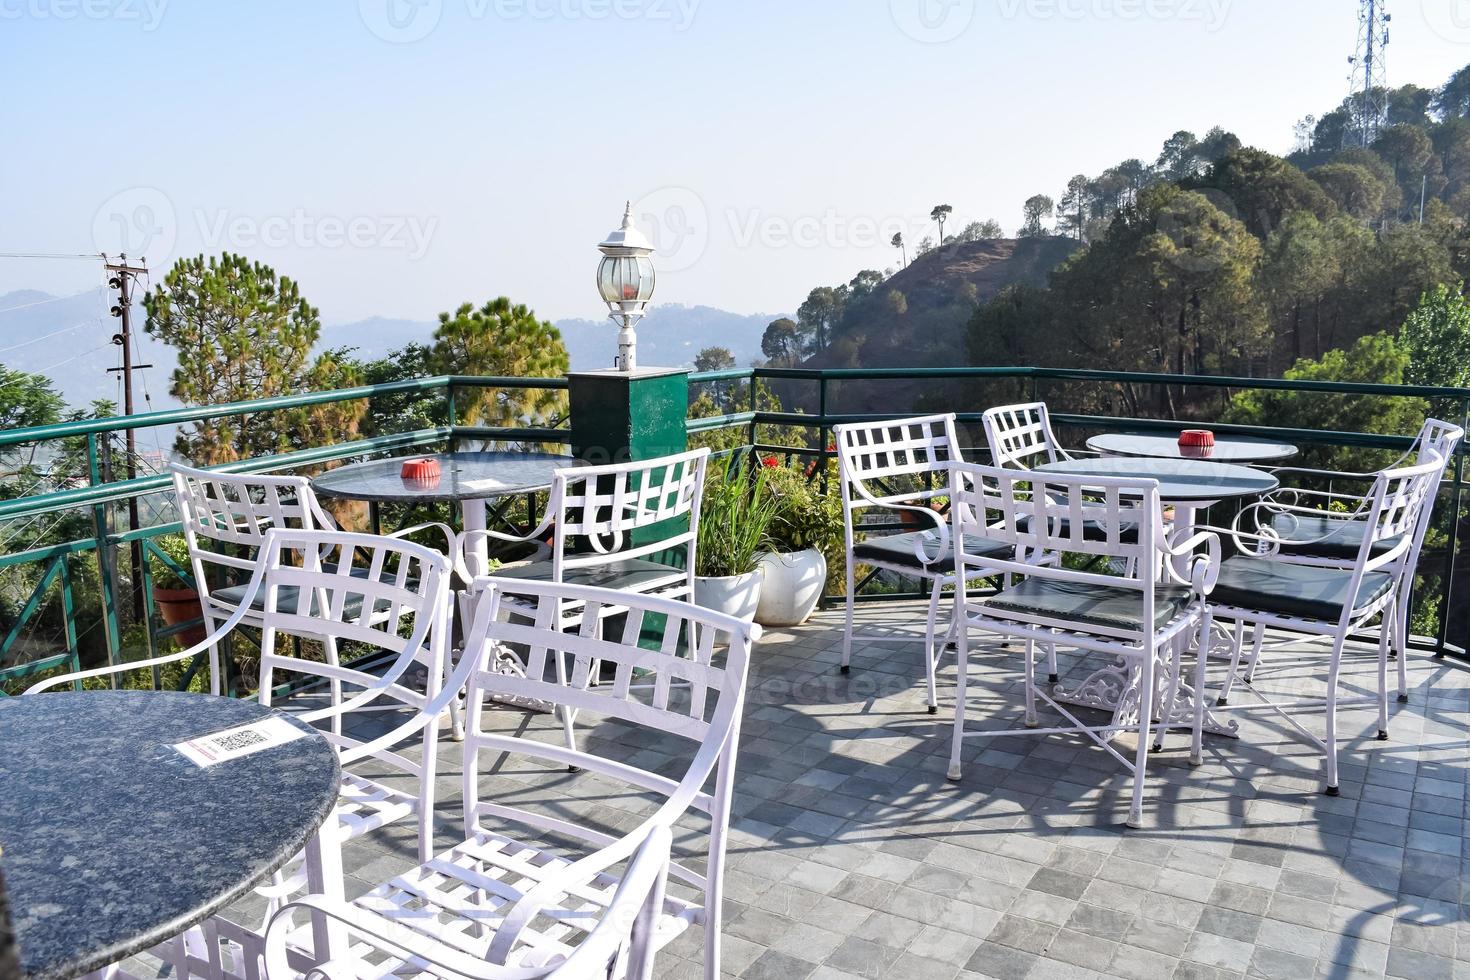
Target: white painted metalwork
column 1042, row 513
column 1018, row 434
column 387, row 597
column 225, row 518
column 873, row 459
column 619, row 944
column 1272, row 526
column 505, row 897
column 1393, row 510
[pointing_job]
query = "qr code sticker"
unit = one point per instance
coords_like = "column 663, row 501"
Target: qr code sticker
column 235, row 743
column 237, row 740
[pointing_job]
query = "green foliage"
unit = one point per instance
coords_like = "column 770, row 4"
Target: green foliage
column 1437, row 338
column 403, row 411
column 1037, row 207
column 1374, row 359
column 502, row 339
column 1263, row 189
column 166, row 574
column 804, row 517
column 781, row 343
column 25, row 400
column 240, row 332
column 733, row 520
column 714, row 359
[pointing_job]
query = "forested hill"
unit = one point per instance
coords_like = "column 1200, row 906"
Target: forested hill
column 916, row 317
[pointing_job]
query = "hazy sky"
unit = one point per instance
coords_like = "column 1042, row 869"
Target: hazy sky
column 401, row 156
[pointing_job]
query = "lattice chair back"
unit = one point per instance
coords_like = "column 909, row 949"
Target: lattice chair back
column 1438, row 441
column 872, row 456
column 673, row 684
column 1438, row 438
column 1018, row 434
column 1106, row 517
column 225, row 519
column 1399, row 498
column 374, row 600
column 605, row 504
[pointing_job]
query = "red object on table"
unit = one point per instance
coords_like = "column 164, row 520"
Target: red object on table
column 1196, row 443
column 423, row 471
column 1196, row 437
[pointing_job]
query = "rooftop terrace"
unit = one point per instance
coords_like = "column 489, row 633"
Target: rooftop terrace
column 852, row 856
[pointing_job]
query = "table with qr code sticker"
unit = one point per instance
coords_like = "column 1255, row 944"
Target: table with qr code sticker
column 113, row 834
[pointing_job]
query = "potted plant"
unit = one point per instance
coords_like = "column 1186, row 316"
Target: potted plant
column 174, row 596
column 805, row 540
column 733, row 518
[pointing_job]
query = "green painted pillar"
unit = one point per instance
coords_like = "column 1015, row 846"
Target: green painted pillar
column 623, row 416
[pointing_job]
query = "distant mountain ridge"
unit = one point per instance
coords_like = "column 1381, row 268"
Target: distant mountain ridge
column 69, row 339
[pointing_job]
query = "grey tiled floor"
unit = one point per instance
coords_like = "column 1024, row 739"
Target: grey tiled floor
column 852, row 856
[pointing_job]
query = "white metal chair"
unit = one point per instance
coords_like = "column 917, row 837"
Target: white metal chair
column 593, row 514
column 1325, row 528
column 386, row 597
column 225, row 517
column 1330, row 602
column 505, row 897
column 1140, row 619
column 892, row 465
column 619, row 945
column 1020, row 435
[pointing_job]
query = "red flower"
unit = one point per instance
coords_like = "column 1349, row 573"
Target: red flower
column 770, row 461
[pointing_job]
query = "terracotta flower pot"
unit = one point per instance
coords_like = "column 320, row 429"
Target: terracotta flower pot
column 179, row 606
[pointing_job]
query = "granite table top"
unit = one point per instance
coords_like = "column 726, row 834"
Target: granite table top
column 111, row 840
column 462, row 476
column 1227, row 448
column 1180, row 480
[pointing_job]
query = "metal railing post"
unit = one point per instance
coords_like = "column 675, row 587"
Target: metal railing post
column 99, row 472
column 1447, row 596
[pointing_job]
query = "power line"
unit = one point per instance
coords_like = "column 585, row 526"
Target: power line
column 92, row 256
column 26, row 375
column 39, row 302
column 48, row 336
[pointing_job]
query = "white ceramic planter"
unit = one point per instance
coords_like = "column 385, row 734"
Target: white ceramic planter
column 737, row 595
column 792, row 587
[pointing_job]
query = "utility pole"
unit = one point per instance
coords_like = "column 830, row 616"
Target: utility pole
column 121, row 277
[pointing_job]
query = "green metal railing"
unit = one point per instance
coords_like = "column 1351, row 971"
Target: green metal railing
column 1041, row 384
column 99, row 496
column 809, row 410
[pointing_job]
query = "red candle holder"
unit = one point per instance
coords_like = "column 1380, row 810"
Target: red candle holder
column 423, row 471
column 1196, row 443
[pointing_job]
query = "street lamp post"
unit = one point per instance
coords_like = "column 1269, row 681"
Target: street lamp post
column 625, row 280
